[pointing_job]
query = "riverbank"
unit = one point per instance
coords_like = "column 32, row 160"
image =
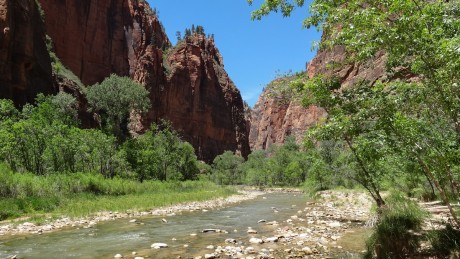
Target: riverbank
column 65, row 222
column 331, row 225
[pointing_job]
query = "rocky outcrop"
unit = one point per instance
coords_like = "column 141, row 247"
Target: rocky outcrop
column 275, row 118
column 325, row 62
column 199, row 98
column 97, row 38
column 188, row 84
column 25, row 66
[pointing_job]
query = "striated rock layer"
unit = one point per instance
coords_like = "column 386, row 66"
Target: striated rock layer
column 272, row 119
column 25, row 66
column 199, row 98
column 188, row 84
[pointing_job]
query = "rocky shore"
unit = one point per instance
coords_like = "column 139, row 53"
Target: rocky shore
column 15, row 228
column 316, row 230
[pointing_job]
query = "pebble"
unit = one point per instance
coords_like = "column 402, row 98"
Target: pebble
column 271, row 239
column 254, row 240
column 118, row 256
column 158, row 245
column 252, row 231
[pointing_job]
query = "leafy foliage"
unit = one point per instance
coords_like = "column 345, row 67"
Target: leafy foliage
column 114, row 99
column 159, row 154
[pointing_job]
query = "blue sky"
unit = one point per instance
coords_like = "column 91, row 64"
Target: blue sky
column 254, row 52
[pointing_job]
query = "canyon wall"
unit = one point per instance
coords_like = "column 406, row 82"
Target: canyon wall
column 274, row 118
column 25, row 66
column 188, row 84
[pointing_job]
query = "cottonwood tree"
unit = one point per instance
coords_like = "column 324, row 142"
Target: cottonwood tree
column 114, row 99
column 421, row 42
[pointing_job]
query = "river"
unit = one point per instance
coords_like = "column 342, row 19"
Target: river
column 183, row 233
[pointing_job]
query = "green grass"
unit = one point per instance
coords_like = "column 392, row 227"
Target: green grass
column 88, row 204
column 75, row 195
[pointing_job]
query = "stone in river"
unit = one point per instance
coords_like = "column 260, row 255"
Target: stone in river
column 334, row 224
column 252, row 231
column 158, row 245
column 256, row 241
column 271, row 239
column 118, row 256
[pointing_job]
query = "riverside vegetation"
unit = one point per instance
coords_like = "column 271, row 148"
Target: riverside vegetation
column 399, row 135
column 401, row 132
column 52, row 165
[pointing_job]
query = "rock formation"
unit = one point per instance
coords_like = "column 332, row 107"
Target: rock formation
column 273, row 118
column 188, row 84
column 25, row 66
column 199, row 98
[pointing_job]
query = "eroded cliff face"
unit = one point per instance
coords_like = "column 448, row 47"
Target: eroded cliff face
column 188, row 84
column 200, row 99
column 272, row 120
column 25, row 66
column 97, row 38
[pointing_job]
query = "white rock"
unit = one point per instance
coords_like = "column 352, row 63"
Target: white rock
column 254, row 240
column 118, row 256
column 138, row 257
column 261, row 221
column 210, row 247
column 250, row 250
column 209, row 256
column 158, row 245
column 335, row 224
column 164, row 221
column 307, row 250
column 272, row 239
column 133, row 221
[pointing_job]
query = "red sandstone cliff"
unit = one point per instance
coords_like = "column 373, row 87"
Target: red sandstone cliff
column 199, row 98
column 273, row 120
column 188, row 84
column 25, row 66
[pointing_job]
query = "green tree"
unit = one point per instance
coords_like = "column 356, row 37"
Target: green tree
column 114, row 99
column 227, row 169
column 420, row 40
column 255, row 168
column 160, row 154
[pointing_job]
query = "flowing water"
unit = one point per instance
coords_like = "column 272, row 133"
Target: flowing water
column 182, row 232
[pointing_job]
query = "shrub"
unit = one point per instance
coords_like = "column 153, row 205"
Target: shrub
column 395, row 235
column 445, row 241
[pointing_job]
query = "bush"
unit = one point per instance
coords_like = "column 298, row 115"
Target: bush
column 445, row 241
column 114, row 99
column 395, row 235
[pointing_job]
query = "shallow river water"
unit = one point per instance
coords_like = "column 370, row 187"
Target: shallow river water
column 182, row 232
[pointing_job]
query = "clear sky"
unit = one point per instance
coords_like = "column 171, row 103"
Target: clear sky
column 254, row 52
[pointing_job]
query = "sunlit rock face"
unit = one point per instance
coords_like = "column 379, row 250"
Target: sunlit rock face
column 188, row 84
